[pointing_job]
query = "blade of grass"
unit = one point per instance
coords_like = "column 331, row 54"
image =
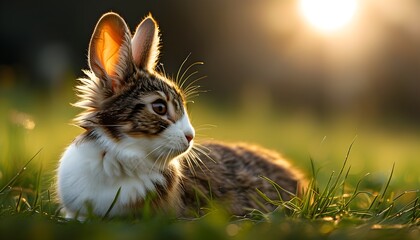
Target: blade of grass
column 344, row 181
column 112, row 204
column 389, row 180
column 404, row 210
column 265, row 197
column 406, row 192
column 343, row 200
column 344, row 164
column 328, row 199
column 308, row 197
column 321, row 200
column 19, row 200
column 355, row 192
column 19, row 173
column 382, row 195
column 274, row 184
column 38, row 185
column 415, row 208
column 49, row 201
column 258, row 202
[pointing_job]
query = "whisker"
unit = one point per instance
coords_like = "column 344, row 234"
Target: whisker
column 191, row 74
column 192, row 93
column 167, row 157
column 157, row 160
column 202, row 135
column 198, row 161
column 192, row 89
column 190, row 163
column 206, row 125
column 199, row 129
column 186, row 89
column 186, row 70
column 180, row 68
column 109, row 125
column 193, row 82
column 162, row 68
column 148, row 154
column 203, row 150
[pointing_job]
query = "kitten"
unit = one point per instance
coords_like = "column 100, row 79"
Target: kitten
column 138, row 140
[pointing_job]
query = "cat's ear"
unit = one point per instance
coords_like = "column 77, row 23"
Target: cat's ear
column 145, row 44
column 110, row 51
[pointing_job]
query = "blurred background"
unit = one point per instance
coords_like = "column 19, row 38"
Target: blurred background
column 301, row 77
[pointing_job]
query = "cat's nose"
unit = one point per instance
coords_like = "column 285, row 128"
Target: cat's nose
column 189, row 137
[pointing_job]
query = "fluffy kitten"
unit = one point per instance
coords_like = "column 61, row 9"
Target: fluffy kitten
column 138, row 140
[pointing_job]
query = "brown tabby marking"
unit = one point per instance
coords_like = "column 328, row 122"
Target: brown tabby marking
column 116, row 98
column 126, row 111
column 232, row 173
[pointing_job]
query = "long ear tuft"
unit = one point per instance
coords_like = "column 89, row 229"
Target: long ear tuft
column 145, row 44
column 110, row 51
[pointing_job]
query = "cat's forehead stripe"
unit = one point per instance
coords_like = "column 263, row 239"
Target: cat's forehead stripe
column 163, row 95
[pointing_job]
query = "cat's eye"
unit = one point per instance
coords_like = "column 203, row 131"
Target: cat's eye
column 159, row 107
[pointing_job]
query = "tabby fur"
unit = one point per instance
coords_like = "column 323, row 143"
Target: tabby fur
column 138, row 146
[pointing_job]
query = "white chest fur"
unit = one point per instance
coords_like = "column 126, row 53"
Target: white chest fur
column 88, row 174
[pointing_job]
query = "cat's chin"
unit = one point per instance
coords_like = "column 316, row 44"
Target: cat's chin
column 141, row 153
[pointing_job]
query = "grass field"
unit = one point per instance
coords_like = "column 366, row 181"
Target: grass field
column 359, row 197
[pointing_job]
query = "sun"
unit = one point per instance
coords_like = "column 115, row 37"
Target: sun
column 328, row 15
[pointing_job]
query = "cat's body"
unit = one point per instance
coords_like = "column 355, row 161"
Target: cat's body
column 231, row 175
column 139, row 140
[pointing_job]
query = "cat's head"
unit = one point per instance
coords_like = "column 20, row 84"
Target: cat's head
column 125, row 100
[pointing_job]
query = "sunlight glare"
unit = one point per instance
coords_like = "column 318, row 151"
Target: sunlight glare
column 328, row 15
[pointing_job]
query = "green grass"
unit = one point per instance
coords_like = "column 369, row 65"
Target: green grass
column 365, row 191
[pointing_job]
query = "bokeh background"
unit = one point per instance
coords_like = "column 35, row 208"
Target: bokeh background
column 272, row 79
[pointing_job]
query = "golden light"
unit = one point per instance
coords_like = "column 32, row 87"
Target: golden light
column 328, row 15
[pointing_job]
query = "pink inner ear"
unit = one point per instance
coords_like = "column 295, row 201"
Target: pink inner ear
column 144, row 44
column 108, row 50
